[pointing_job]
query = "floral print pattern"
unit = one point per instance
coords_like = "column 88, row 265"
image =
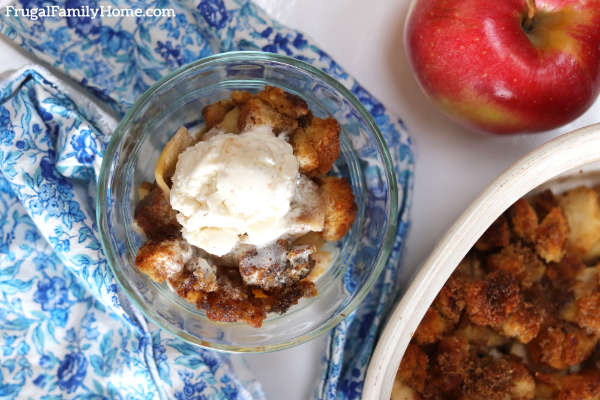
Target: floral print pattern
column 71, row 371
column 65, row 328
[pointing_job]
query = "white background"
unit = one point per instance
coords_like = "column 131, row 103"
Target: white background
column 452, row 165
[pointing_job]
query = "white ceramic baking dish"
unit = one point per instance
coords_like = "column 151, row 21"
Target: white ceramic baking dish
column 554, row 165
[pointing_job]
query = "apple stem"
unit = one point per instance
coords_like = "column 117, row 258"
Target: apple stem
column 528, row 21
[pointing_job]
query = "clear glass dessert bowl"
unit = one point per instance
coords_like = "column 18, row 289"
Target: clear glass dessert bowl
column 177, row 100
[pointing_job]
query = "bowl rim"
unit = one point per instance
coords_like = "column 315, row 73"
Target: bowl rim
column 565, row 153
column 392, row 195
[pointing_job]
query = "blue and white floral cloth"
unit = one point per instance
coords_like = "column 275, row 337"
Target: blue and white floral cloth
column 65, row 328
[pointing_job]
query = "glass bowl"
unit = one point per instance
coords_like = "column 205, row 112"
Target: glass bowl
column 177, row 100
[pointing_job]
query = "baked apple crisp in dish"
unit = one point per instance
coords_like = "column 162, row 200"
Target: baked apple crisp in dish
column 239, row 215
column 520, row 316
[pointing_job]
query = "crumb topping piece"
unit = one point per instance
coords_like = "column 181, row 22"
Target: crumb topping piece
column 284, row 102
column 340, row 208
column 524, row 220
column 317, row 145
column 497, row 235
column 277, row 265
column 155, row 216
column 551, row 236
column 491, row 300
column 561, row 345
column 163, row 258
column 255, row 112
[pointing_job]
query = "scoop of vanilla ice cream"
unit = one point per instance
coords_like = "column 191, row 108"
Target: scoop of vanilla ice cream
column 234, row 188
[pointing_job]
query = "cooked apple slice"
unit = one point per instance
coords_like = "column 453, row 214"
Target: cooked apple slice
column 229, row 123
column 165, row 166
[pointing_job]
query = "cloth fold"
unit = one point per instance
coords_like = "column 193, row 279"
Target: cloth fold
column 60, row 308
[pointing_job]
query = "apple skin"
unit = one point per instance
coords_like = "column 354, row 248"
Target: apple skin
column 477, row 60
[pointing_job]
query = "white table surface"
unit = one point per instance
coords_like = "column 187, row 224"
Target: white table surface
column 452, row 165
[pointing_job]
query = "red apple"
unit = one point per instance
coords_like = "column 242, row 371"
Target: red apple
column 507, row 66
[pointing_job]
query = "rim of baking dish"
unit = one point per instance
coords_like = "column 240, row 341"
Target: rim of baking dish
column 565, row 153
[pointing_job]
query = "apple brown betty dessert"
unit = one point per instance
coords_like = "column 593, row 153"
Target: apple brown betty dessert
column 238, row 215
column 520, row 316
